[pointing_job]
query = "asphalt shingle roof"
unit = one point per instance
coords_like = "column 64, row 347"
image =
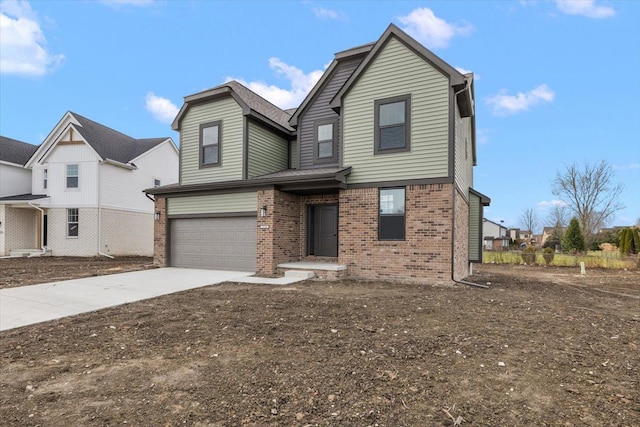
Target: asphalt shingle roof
column 14, row 151
column 111, row 144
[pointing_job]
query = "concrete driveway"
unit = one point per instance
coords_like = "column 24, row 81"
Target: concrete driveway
column 38, row 303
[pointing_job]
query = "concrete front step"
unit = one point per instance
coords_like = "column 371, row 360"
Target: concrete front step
column 25, row 252
column 302, row 274
column 321, row 270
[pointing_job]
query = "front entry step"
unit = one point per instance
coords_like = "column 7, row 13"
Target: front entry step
column 321, row 270
column 301, row 274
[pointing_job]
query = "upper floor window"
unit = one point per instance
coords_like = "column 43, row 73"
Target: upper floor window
column 391, row 219
column 72, row 176
column 325, row 141
column 156, row 182
column 392, row 118
column 45, row 177
column 210, row 141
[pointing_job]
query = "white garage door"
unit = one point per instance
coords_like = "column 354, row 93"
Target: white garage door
column 214, row 243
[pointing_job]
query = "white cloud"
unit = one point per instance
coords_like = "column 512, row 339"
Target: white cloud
column 22, row 43
column 586, row 8
column 300, row 82
column 161, row 108
column 503, row 104
column 433, row 32
column 324, row 13
column 630, row 166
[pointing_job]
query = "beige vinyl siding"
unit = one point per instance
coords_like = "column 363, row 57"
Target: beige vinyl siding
column 464, row 161
column 229, row 112
column 398, row 71
column 293, row 155
column 475, row 229
column 267, row 151
column 213, row 204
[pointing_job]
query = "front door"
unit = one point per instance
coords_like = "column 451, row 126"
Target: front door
column 324, row 227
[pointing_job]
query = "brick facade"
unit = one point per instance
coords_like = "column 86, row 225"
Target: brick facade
column 461, row 248
column 278, row 231
column 160, row 233
column 425, row 256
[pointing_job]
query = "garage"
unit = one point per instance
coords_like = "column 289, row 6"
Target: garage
column 227, row 243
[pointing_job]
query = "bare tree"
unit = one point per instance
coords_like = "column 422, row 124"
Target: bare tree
column 529, row 220
column 590, row 193
column 558, row 218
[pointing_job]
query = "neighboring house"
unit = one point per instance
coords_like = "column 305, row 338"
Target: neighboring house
column 373, row 171
column 495, row 236
column 86, row 193
column 15, row 182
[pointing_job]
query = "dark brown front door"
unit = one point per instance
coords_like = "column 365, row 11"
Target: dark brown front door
column 325, row 230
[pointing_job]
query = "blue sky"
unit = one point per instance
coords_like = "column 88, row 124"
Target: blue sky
column 557, row 82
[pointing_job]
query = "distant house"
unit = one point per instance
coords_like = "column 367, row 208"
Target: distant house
column 85, row 196
column 372, row 173
column 15, row 183
column 494, row 236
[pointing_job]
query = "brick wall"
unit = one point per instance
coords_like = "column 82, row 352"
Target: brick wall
column 425, row 254
column 160, row 233
column 19, row 226
column 461, row 247
column 126, row 233
column 278, row 231
column 86, row 244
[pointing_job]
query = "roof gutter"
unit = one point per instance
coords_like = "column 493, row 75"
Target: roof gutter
column 117, row 163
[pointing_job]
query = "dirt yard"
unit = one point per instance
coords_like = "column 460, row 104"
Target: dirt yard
column 31, row 271
column 540, row 347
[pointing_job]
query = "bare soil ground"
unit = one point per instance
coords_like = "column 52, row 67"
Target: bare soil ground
column 31, row 271
column 540, row 347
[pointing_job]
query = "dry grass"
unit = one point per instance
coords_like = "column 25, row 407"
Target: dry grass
column 592, row 259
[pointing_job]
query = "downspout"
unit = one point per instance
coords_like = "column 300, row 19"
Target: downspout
column 453, row 213
column 100, row 214
column 42, row 248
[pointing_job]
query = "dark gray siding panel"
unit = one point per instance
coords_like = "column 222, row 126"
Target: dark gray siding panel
column 319, row 110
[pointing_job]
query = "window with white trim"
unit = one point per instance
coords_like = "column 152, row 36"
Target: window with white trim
column 73, row 222
column 72, row 176
column 45, row 177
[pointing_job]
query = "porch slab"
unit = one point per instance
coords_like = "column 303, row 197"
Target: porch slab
column 306, row 265
column 269, row 281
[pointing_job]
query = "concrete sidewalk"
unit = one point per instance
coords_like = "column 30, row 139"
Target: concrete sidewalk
column 27, row 305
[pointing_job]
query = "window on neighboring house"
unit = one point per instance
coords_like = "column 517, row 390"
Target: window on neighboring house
column 45, row 177
column 324, row 141
column 210, row 140
column 156, row 182
column 72, row 222
column 72, row 176
column 391, row 220
column 392, row 118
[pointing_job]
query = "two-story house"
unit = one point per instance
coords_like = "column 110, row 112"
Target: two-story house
column 15, row 184
column 85, row 195
column 495, row 236
column 372, row 172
